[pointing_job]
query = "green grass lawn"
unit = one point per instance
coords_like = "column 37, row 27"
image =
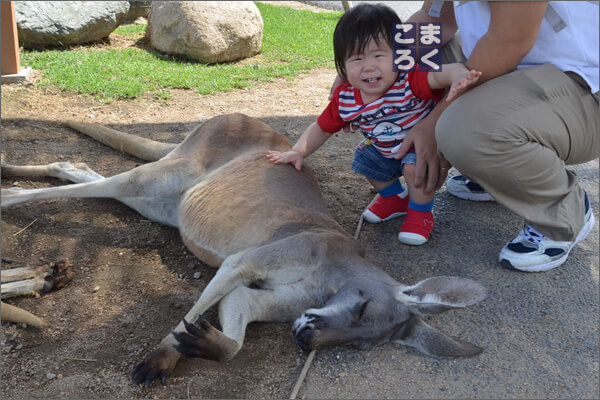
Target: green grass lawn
column 294, row 41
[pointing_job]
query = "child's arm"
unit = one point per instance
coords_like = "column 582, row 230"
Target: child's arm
column 312, row 138
column 455, row 76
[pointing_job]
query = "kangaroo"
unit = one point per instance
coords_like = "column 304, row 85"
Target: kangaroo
column 280, row 255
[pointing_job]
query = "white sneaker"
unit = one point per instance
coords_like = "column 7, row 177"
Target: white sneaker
column 530, row 251
column 463, row 188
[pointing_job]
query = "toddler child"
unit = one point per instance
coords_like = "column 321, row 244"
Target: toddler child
column 383, row 104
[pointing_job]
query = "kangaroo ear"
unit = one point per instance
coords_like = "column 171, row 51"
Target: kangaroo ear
column 441, row 293
column 416, row 333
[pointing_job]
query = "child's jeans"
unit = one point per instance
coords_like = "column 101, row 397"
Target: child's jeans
column 370, row 163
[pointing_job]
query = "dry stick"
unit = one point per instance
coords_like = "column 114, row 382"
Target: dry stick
column 22, row 230
column 311, row 355
column 38, row 126
column 360, row 222
column 80, row 359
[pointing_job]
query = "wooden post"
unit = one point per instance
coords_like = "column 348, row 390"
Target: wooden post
column 9, row 49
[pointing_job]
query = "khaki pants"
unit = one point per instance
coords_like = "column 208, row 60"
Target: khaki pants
column 514, row 135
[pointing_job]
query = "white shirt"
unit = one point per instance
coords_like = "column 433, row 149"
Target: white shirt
column 574, row 48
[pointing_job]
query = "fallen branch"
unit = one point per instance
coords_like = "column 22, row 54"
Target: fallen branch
column 80, row 359
column 361, row 220
column 303, row 373
column 22, row 230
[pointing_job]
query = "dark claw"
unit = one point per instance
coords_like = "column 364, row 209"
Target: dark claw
column 203, row 324
column 144, row 374
column 134, row 373
column 186, row 345
column 189, row 342
column 194, row 330
column 148, row 370
column 184, row 339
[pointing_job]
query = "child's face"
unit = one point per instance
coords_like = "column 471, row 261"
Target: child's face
column 371, row 71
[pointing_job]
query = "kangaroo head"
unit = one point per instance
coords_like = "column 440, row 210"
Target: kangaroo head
column 366, row 313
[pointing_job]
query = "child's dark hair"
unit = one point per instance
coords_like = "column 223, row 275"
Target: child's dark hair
column 359, row 25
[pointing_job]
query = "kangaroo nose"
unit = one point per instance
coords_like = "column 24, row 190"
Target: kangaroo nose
column 303, row 339
column 304, row 331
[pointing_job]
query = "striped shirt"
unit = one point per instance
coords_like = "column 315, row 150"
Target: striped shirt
column 383, row 122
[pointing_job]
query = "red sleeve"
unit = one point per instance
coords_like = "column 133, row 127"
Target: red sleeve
column 330, row 120
column 419, row 86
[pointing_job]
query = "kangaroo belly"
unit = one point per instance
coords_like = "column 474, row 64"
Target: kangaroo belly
column 246, row 203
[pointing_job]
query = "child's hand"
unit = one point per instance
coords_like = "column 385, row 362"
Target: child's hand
column 463, row 84
column 289, row 157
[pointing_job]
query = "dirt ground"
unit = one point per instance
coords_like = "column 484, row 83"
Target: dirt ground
column 134, row 279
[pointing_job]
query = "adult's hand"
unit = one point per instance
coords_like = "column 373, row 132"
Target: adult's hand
column 431, row 168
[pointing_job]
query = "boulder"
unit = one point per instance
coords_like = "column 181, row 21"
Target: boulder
column 59, row 23
column 207, row 31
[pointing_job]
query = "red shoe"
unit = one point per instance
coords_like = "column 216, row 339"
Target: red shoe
column 386, row 208
column 416, row 228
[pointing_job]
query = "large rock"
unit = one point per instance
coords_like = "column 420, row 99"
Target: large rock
column 58, row 23
column 207, row 31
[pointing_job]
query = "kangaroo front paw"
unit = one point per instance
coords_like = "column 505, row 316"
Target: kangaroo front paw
column 204, row 341
column 157, row 365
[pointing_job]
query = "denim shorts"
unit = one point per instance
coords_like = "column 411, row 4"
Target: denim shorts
column 370, row 163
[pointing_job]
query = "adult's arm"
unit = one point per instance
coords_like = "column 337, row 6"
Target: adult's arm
column 446, row 18
column 512, row 32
